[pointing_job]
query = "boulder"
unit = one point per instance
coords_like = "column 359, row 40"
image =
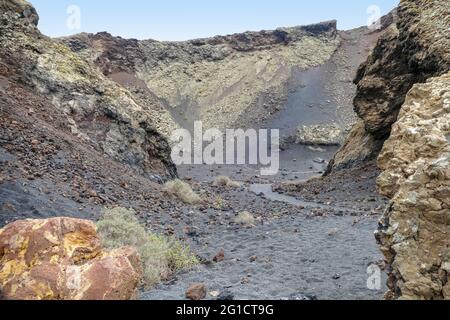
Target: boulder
column 321, row 134
column 196, row 292
column 63, row 259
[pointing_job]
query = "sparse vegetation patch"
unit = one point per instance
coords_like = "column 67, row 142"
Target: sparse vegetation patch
column 161, row 256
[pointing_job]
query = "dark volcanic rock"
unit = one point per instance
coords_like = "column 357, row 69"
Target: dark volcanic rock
column 324, row 28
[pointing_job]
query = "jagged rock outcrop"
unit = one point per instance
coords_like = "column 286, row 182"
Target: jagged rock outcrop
column 224, row 81
column 397, row 104
column 322, row 135
column 118, row 59
column 102, row 113
column 414, row 232
column 22, row 8
column 63, row 259
column 412, row 50
column 357, row 148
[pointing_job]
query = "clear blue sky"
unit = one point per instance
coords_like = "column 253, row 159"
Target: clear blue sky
column 188, row 19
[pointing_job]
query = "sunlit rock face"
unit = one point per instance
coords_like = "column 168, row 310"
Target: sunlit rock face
column 63, row 259
column 324, row 135
column 414, row 232
column 403, row 102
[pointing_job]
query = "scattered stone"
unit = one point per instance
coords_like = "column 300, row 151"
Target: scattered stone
column 301, row 297
column 319, row 160
column 196, row 292
column 333, row 232
column 316, row 149
column 9, row 207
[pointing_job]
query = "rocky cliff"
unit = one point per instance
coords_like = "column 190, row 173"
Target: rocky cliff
column 414, row 48
column 403, row 102
column 21, row 7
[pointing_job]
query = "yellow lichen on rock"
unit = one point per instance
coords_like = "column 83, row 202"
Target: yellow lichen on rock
column 42, row 259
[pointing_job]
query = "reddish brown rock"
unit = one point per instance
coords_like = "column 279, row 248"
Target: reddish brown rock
column 220, row 256
column 112, row 277
column 62, row 259
column 196, row 292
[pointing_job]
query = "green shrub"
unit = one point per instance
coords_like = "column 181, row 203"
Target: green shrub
column 161, row 256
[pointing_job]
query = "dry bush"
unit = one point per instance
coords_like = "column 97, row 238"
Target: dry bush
column 219, row 203
column 245, row 218
column 183, row 191
column 161, row 256
column 224, row 181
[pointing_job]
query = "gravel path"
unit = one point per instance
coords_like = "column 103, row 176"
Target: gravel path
column 295, row 258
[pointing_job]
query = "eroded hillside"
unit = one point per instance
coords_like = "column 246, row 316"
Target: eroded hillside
column 414, row 49
column 224, row 81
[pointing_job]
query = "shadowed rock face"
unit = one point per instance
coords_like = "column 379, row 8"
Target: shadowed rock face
column 414, row 49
